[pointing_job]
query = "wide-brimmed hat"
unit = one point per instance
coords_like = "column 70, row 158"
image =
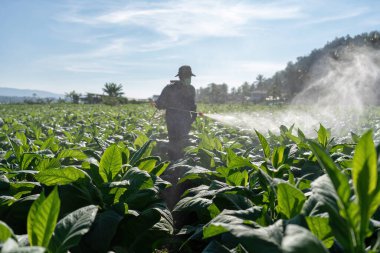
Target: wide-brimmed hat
column 185, row 70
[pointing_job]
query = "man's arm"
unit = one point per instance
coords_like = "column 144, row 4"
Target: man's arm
column 161, row 102
column 193, row 106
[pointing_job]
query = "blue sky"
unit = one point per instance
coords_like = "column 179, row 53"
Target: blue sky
column 79, row 45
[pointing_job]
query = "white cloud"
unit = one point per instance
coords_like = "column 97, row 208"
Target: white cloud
column 337, row 17
column 178, row 19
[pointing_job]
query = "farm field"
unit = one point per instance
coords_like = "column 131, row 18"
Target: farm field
column 95, row 178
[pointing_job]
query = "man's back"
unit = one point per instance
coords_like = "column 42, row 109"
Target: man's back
column 177, row 96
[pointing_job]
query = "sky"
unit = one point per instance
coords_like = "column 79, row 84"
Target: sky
column 66, row 45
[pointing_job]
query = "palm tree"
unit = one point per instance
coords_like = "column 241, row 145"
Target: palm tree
column 113, row 90
column 259, row 81
column 73, row 96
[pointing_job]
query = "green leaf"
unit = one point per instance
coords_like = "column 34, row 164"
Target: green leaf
column 319, row 226
column 338, row 178
column 5, row 232
column 72, row 153
column 102, row 232
column 50, row 144
column 236, row 161
column 71, row 228
column 140, row 140
column 262, row 239
column 140, row 153
column 278, row 156
column 48, row 163
column 325, row 194
column 159, row 169
column 213, row 230
column 290, row 200
column 323, row 135
column 264, row 144
column 299, row 240
column 237, row 178
column 27, row 159
column 364, row 177
column 42, row 218
column 138, row 179
column 147, row 163
column 61, row 176
column 110, row 163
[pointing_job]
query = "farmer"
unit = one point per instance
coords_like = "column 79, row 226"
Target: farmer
column 178, row 99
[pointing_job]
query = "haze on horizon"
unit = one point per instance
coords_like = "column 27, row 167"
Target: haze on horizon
column 59, row 46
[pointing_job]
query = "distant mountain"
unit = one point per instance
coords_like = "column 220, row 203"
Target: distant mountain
column 12, row 92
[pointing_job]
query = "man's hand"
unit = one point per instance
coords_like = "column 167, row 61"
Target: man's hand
column 153, row 104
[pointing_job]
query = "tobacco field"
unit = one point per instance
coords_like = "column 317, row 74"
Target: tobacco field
column 95, row 178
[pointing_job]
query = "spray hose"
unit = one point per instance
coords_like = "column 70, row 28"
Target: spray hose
column 201, row 114
column 182, row 110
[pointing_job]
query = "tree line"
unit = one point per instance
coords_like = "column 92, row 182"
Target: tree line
column 284, row 85
column 113, row 96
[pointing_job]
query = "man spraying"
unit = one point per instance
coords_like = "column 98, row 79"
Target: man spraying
column 178, row 99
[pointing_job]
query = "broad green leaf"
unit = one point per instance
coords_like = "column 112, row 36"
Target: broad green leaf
column 159, row 169
column 319, row 226
column 138, row 179
column 262, row 239
column 264, row 144
column 60, row 176
column 194, row 173
column 26, row 160
column 5, row 232
column 42, row 218
column 72, row 153
column 134, row 228
column 140, row 153
column 364, row 177
column 213, row 230
column 195, row 204
column 290, row 200
column 237, row 178
column 48, row 163
column 50, row 144
column 148, row 163
column 278, row 156
column 325, row 194
column 236, row 161
column 338, row 178
column 102, row 232
column 71, row 228
column 300, row 240
column 110, row 163
column 140, row 140
column 19, row 189
column 364, row 170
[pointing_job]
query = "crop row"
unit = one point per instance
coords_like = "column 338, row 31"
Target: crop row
column 96, row 179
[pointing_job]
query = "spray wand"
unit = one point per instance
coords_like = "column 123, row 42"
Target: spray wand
column 201, row 114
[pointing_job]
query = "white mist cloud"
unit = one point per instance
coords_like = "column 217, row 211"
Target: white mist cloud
column 348, row 81
column 338, row 95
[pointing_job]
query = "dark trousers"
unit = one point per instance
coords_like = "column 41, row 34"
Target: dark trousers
column 178, row 125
